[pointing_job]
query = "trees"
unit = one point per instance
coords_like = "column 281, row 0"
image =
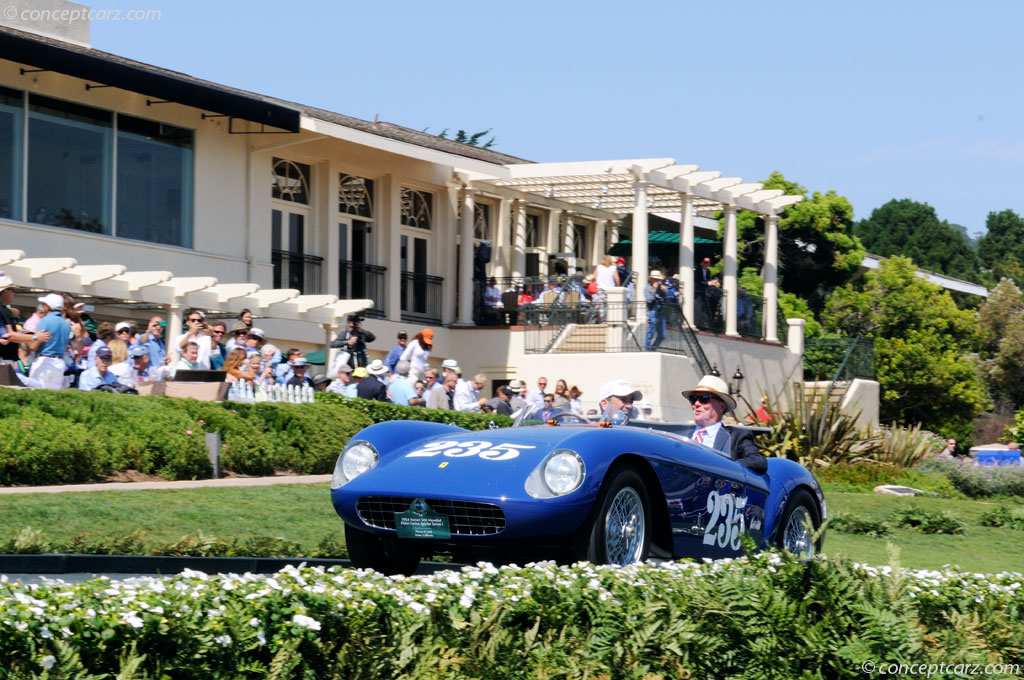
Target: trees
column 1001, row 326
column 921, row 340
column 817, row 248
column 906, row 227
column 471, row 138
column 1004, row 237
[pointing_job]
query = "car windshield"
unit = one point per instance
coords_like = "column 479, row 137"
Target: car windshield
column 532, row 412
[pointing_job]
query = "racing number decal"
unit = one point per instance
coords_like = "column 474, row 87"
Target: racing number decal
column 485, row 450
column 727, row 523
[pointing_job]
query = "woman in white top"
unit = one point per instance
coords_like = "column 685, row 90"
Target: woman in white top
column 606, row 276
column 417, row 352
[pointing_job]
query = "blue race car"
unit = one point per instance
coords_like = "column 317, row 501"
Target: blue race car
column 567, row 490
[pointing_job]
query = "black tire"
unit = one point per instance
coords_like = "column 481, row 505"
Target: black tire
column 383, row 554
column 618, row 531
column 793, row 534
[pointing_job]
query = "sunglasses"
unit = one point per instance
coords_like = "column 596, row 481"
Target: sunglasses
column 124, row 330
column 105, row 358
column 193, row 320
column 218, row 332
column 702, row 398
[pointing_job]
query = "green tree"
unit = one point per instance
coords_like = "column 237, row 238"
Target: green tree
column 471, row 138
column 906, row 227
column 1001, row 328
column 921, row 343
column 1004, row 237
column 817, row 248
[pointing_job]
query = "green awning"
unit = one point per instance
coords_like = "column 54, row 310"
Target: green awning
column 317, row 357
column 659, row 239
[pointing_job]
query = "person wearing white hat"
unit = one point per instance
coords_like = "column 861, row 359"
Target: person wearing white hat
column 372, row 386
column 618, row 395
column 49, row 366
column 657, row 299
column 711, row 400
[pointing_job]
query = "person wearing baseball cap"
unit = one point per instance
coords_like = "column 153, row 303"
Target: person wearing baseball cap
column 49, row 367
column 617, row 395
column 711, row 401
column 100, row 373
column 395, row 353
column 417, row 352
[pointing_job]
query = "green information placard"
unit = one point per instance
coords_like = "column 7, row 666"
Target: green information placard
column 420, row 521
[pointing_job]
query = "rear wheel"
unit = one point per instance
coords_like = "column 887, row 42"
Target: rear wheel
column 798, row 524
column 619, row 531
column 384, row 554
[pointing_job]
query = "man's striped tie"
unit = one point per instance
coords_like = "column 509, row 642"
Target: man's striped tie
column 701, row 433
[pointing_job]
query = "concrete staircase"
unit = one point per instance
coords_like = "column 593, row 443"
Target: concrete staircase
column 584, row 338
column 814, row 392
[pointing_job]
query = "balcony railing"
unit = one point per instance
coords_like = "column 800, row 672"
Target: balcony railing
column 297, row 270
column 421, row 298
column 358, row 280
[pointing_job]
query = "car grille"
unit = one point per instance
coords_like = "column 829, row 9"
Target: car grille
column 465, row 518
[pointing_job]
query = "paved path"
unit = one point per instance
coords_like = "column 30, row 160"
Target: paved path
column 186, row 484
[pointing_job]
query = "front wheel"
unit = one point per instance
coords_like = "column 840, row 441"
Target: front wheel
column 619, row 532
column 383, row 554
column 799, row 523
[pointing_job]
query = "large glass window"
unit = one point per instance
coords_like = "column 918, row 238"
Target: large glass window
column 417, row 208
column 69, row 174
column 355, row 195
column 154, row 181
column 12, row 115
column 290, row 181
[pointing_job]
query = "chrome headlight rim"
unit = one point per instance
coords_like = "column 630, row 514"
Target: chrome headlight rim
column 564, row 457
column 348, row 467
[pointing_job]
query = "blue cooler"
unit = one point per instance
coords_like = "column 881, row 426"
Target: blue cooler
column 997, row 457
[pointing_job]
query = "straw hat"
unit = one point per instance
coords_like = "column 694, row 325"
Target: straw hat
column 712, row 384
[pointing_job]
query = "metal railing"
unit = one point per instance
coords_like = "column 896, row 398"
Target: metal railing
column 421, row 298
column 297, row 270
column 839, row 358
column 358, row 280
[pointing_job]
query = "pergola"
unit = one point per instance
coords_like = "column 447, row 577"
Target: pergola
column 659, row 185
column 114, row 284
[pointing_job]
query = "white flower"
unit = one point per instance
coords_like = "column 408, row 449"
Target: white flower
column 261, row 637
column 223, row 640
column 45, row 633
column 133, row 620
column 306, row 622
column 417, row 607
column 48, row 661
column 254, row 622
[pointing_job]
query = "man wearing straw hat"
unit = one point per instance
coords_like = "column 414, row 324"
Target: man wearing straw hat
column 711, row 400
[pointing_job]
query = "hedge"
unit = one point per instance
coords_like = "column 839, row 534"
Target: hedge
column 760, row 617
column 67, row 436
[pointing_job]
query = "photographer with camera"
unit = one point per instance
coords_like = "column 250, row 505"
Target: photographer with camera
column 354, row 341
column 657, row 299
column 199, row 332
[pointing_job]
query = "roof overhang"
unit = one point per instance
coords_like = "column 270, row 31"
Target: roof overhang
column 99, row 67
column 947, row 282
column 610, row 186
column 150, row 289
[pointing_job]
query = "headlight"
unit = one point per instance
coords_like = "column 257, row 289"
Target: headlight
column 357, row 458
column 563, row 472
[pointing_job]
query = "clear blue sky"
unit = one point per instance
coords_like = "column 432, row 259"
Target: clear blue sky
column 877, row 100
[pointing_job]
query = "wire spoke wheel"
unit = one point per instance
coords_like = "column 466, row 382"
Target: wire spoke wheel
column 625, row 528
column 799, row 533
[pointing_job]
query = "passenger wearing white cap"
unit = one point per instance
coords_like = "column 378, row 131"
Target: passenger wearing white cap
column 618, row 395
column 49, row 366
column 711, row 400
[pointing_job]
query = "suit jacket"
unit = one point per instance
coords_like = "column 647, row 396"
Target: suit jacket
column 740, row 445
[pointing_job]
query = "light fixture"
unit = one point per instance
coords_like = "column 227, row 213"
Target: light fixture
column 737, row 380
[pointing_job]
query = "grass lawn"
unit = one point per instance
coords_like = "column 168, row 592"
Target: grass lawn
column 303, row 513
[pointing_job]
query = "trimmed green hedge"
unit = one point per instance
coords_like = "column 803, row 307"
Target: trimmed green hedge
column 60, row 437
column 765, row 617
column 380, row 412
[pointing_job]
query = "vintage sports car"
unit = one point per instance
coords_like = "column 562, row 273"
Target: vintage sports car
column 566, row 489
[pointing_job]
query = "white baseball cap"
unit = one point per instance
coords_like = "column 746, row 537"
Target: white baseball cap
column 618, row 388
column 52, row 300
column 123, row 325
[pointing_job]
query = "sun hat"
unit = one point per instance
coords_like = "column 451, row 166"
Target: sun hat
column 344, row 368
column 655, row 274
column 516, row 385
column 359, row 372
column 256, row 333
column 5, row 281
column 376, row 367
column 239, row 327
column 320, row 379
column 299, row 361
column 712, row 384
column 618, row 388
column 450, row 365
column 54, row 301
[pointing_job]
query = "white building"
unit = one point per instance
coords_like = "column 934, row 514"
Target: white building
column 113, row 162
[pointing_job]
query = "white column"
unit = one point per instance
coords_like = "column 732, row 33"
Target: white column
column 771, row 278
column 519, row 244
column 729, row 285
column 598, row 248
column 686, row 256
column 449, row 239
column 465, row 315
column 331, row 331
column 614, row 236
column 639, row 263
column 568, row 238
column 554, row 221
column 172, row 334
column 389, row 244
column 500, row 251
column 795, row 341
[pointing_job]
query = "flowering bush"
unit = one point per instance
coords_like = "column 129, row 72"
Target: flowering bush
column 978, row 481
column 759, row 617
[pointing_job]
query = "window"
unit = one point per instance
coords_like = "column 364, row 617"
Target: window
column 69, row 165
column 290, row 181
column 355, row 195
column 154, row 181
column 417, row 208
column 579, row 242
column 12, row 114
column 481, row 220
column 533, row 231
